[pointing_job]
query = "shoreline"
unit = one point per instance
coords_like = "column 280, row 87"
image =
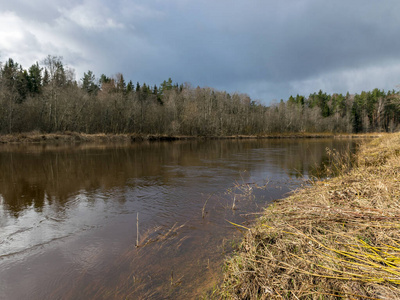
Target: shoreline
column 75, row 137
column 338, row 238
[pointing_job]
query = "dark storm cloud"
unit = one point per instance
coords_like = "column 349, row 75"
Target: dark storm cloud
column 268, row 49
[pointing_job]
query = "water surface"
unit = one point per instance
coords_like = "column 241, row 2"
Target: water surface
column 68, row 214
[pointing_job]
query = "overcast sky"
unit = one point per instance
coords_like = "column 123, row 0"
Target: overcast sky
column 268, row 49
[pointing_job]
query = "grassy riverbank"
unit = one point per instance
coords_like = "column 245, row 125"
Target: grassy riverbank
column 338, row 239
column 75, row 137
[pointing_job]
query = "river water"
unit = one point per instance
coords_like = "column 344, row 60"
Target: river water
column 69, row 215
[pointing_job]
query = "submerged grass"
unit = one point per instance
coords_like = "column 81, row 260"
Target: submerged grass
column 338, row 239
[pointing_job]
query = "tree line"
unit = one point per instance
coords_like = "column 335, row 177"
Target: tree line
column 48, row 98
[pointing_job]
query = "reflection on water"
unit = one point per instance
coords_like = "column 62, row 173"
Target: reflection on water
column 68, row 213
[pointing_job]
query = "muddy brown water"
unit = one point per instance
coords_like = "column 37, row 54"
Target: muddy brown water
column 69, row 214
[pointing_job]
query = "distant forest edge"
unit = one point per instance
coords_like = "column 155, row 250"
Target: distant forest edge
column 48, row 98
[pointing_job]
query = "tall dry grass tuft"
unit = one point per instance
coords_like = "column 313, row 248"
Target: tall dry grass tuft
column 338, row 239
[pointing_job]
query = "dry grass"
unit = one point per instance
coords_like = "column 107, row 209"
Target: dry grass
column 76, row 137
column 62, row 137
column 338, row 239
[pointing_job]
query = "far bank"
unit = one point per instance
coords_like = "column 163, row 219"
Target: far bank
column 76, row 137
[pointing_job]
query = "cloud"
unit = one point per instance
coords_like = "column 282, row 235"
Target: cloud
column 17, row 39
column 14, row 35
column 267, row 49
column 91, row 15
column 352, row 80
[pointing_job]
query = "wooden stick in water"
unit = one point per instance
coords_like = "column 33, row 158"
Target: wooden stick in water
column 137, row 229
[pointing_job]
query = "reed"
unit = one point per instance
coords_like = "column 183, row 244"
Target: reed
column 338, row 239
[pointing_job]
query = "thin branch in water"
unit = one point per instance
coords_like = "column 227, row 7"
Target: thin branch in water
column 233, row 204
column 203, row 212
column 137, row 229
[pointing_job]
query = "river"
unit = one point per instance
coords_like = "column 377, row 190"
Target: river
column 70, row 214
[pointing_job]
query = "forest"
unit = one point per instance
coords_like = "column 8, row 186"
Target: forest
column 48, row 98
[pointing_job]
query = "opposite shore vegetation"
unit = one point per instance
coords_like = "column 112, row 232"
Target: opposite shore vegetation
column 48, row 98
